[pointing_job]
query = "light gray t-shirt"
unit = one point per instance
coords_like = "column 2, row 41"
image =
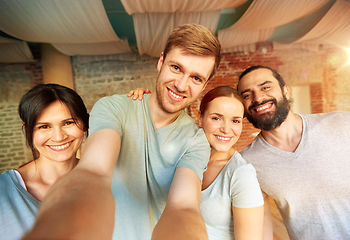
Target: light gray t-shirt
column 18, row 208
column 237, row 186
column 311, row 184
column 147, row 160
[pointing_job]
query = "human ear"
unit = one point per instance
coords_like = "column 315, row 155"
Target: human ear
column 286, row 91
column 160, row 61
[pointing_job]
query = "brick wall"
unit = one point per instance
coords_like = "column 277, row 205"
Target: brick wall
column 323, row 70
column 15, row 80
column 95, row 80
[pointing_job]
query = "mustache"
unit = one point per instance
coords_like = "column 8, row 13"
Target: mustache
column 256, row 104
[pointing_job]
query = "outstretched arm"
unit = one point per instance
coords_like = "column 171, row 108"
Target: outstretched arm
column 80, row 205
column 181, row 218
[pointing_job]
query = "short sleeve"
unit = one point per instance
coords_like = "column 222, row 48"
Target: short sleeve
column 197, row 156
column 108, row 113
column 245, row 189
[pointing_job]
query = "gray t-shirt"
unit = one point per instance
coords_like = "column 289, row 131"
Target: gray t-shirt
column 18, row 208
column 237, row 186
column 311, row 184
column 147, row 160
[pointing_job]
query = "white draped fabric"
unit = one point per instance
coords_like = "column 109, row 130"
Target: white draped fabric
column 262, row 17
column 153, row 29
column 334, row 27
column 13, row 51
column 171, row 6
column 70, row 22
column 82, row 27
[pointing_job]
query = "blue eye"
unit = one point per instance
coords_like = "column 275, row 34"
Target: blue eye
column 197, row 79
column 176, row 68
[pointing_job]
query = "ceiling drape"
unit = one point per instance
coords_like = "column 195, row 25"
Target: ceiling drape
column 14, row 51
column 84, row 27
column 258, row 23
column 153, row 29
column 172, row 6
column 75, row 26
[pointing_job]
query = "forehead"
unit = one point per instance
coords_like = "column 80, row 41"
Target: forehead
column 56, row 110
column 256, row 78
column 225, row 105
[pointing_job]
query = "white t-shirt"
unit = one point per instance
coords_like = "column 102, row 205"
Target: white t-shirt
column 236, row 185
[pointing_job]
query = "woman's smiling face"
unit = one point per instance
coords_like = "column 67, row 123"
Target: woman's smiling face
column 56, row 135
column 222, row 122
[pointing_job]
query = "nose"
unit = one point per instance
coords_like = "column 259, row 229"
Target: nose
column 225, row 127
column 258, row 96
column 58, row 134
column 181, row 84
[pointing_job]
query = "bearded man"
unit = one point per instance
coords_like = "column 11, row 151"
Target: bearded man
column 302, row 161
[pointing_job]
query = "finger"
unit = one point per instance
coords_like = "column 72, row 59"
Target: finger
column 130, row 93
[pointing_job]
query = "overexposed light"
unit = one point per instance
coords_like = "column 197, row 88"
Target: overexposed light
column 348, row 50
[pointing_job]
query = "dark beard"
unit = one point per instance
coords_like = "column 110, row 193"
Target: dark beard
column 270, row 120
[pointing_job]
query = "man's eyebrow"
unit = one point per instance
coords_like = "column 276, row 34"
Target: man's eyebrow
column 261, row 84
column 266, row 82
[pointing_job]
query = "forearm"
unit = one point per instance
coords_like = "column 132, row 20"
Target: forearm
column 268, row 227
column 80, row 205
column 180, row 224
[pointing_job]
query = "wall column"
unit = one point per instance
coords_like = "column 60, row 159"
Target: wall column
column 56, row 67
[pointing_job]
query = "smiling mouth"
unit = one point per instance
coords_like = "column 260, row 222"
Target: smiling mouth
column 223, row 138
column 172, row 93
column 261, row 107
column 60, row 147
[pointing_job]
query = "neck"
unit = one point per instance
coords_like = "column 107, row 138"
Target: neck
column 288, row 135
column 49, row 171
column 160, row 117
column 40, row 174
column 221, row 156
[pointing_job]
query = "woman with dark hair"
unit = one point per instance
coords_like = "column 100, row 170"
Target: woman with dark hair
column 54, row 120
column 231, row 200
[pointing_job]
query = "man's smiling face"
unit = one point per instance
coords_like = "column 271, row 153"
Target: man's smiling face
column 265, row 104
column 182, row 77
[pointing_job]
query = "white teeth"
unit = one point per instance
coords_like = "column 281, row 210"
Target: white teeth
column 59, row 147
column 262, row 108
column 223, row 138
column 175, row 95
